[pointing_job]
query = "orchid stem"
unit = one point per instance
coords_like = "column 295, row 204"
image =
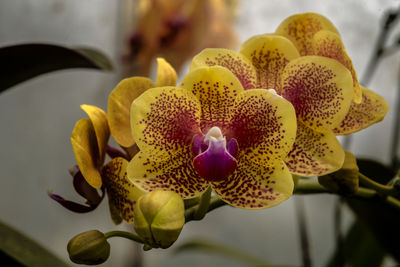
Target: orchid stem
column 202, row 207
column 124, row 234
column 379, row 188
column 214, row 203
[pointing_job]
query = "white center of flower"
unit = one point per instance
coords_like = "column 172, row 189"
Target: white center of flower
column 214, row 134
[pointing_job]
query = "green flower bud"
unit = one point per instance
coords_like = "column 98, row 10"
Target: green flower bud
column 159, row 217
column 89, row 248
column 345, row 180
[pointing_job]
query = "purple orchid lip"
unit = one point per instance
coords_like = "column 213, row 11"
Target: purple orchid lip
column 215, row 159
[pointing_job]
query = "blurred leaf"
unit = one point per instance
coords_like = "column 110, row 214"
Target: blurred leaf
column 359, row 249
column 207, row 246
column 24, row 250
column 380, row 218
column 22, row 62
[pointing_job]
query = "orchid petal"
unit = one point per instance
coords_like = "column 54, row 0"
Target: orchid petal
column 175, row 173
column 320, row 90
column 122, row 194
column 119, row 106
column 84, row 144
column 70, row 205
column 99, row 120
column 314, row 153
column 253, row 186
column 85, row 190
column 232, row 60
column 300, row 29
column 264, row 125
column 164, row 120
column 329, row 44
column 216, row 88
column 372, row 109
column 269, row 55
column 166, row 74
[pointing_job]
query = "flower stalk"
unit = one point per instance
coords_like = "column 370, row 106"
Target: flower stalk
column 202, row 207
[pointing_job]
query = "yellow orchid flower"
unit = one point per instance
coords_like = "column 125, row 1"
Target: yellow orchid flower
column 177, row 30
column 319, row 88
column 306, row 63
column 211, row 132
column 313, row 34
column 89, row 141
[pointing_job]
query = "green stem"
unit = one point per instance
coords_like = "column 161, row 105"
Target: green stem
column 380, row 188
column 306, row 187
column 124, row 234
column 202, row 208
column 214, row 203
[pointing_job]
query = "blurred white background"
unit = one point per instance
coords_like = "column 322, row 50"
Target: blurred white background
column 37, row 118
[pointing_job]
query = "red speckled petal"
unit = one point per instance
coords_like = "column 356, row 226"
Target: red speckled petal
column 314, row 153
column 264, row 124
column 216, row 88
column 329, row 44
column 269, row 54
column 164, row 120
column 300, row 29
column 175, row 173
column 320, row 90
column 372, row 109
column 253, row 186
column 232, row 60
column 122, row 195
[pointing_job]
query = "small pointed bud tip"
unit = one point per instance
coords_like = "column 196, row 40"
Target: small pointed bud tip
column 90, row 248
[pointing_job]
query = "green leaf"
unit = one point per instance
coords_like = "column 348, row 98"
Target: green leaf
column 26, row 251
column 22, row 62
column 359, row 249
column 224, row 250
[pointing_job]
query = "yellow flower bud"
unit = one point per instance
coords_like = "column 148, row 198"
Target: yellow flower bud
column 89, row 248
column 345, row 180
column 159, row 217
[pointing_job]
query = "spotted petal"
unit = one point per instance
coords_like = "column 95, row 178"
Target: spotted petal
column 216, row 88
column 119, row 106
column 122, row 195
column 300, row 29
column 84, row 144
column 269, row 54
column 99, row 120
column 314, row 153
column 264, row 124
column 329, row 44
column 253, row 186
column 175, row 173
column 232, row 60
column 166, row 74
column 164, row 120
column 320, row 90
column 372, row 109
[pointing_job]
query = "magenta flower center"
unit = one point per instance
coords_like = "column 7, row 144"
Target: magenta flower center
column 214, row 156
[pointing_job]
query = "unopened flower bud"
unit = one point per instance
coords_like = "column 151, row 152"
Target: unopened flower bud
column 89, row 248
column 345, row 180
column 159, row 218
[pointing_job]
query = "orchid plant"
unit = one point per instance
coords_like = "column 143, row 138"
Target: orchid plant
column 249, row 126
